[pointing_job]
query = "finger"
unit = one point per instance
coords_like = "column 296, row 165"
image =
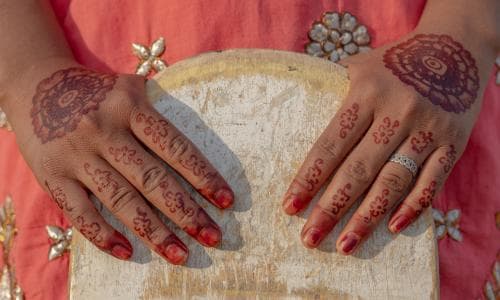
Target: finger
column 181, row 154
column 429, row 183
column 353, row 177
column 391, row 184
column 343, row 132
column 76, row 205
column 154, row 182
column 128, row 206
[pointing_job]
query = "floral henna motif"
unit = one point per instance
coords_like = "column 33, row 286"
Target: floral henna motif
column 90, row 230
column 174, row 201
column 196, row 165
column 418, row 144
column 101, row 178
column 313, row 173
column 428, row 194
column 143, row 225
column 62, row 99
column 385, row 131
column 340, row 199
column 125, row 155
column 378, row 207
column 348, row 119
column 449, row 159
column 438, row 68
column 59, row 197
column 156, row 129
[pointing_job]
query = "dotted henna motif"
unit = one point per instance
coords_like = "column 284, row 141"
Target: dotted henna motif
column 125, row 155
column 143, row 225
column 340, row 199
column 424, row 139
column 62, row 99
column 378, row 207
column 449, row 159
column 348, row 119
column 90, row 230
column 438, row 68
column 385, row 131
column 59, row 197
column 313, row 173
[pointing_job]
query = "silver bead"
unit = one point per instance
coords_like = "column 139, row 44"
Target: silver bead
column 329, row 46
column 361, row 36
column 140, row 51
column 348, row 23
column 345, row 38
column 318, row 33
column 331, row 20
column 351, row 48
column 158, row 47
column 334, row 56
column 335, row 36
column 314, row 49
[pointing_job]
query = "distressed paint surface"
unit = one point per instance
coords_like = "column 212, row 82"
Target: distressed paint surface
column 255, row 114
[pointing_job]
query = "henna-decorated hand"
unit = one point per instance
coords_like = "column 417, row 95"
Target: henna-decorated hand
column 89, row 131
column 418, row 97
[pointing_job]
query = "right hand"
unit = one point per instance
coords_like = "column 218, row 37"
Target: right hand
column 88, row 131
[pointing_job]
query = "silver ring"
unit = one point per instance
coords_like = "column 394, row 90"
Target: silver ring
column 406, row 162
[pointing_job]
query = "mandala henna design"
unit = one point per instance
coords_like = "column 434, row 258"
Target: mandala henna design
column 449, row 159
column 313, row 173
column 428, row 194
column 438, row 68
column 385, row 131
column 348, row 119
column 125, row 155
column 378, row 207
column 143, row 225
column 340, row 199
column 59, row 197
column 62, row 99
column 90, row 230
column 418, row 144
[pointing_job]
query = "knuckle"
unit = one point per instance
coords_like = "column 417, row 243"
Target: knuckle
column 178, row 146
column 121, row 198
column 359, row 172
column 396, row 183
column 328, row 148
column 152, row 177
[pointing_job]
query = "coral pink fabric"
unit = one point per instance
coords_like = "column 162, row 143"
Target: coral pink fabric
column 100, row 34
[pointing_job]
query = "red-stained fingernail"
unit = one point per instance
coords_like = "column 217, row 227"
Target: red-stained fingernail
column 399, row 223
column 293, row 204
column 312, row 237
column 173, row 250
column 119, row 246
column 349, row 242
column 210, row 235
column 224, row 197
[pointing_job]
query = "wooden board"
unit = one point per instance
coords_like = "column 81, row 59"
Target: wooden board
column 255, row 114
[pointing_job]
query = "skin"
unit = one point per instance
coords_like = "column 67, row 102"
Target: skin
column 411, row 97
column 86, row 132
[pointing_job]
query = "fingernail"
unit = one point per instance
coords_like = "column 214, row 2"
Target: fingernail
column 176, row 254
column 120, row 246
column 293, row 204
column 349, row 242
column 173, row 250
column 224, row 197
column 312, row 237
column 209, row 236
column 400, row 223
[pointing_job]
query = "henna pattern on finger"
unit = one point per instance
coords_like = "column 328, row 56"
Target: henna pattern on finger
column 340, row 199
column 125, row 155
column 378, row 206
column 174, row 201
column 158, row 130
column 418, row 144
column 428, row 194
column 449, row 159
column 438, row 68
column 312, row 175
column 102, row 179
column 59, row 197
column 61, row 100
column 348, row 119
column 196, row 165
column 143, row 225
column 90, row 231
column 385, row 131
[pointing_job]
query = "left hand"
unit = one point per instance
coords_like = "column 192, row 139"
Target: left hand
column 419, row 98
